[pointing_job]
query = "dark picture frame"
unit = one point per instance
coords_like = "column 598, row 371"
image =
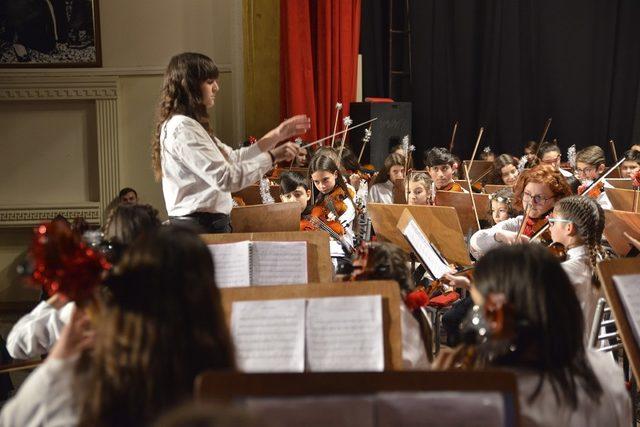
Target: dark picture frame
column 49, row 33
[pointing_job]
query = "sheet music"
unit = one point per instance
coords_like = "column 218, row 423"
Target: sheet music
column 345, row 334
column 279, row 263
column 231, row 264
column 269, row 335
column 424, row 250
column 628, row 287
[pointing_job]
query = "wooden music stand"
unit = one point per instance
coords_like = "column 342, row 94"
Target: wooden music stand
column 319, row 267
column 251, row 194
column 439, row 223
column 622, row 200
column 478, row 168
column 389, row 290
column 462, row 203
column 624, row 183
column 606, row 270
column 266, row 218
column 618, row 222
column 492, row 188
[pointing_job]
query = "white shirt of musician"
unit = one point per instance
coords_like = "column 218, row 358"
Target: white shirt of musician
column 199, row 173
column 381, row 193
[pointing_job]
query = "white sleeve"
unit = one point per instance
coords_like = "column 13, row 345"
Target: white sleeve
column 36, row 332
column 346, row 219
column 483, row 240
column 241, row 154
column 205, row 159
column 45, row 398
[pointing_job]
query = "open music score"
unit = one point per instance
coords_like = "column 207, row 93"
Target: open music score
column 318, row 334
column 423, row 248
column 249, row 263
column 269, row 335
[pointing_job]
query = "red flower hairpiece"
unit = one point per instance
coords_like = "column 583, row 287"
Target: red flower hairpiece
column 63, row 264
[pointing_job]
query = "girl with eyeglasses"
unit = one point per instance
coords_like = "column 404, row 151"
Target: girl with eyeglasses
column 577, row 223
column 536, row 191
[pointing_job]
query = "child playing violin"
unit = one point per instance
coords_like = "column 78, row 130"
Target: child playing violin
column 295, row 188
column 549, row 154
column 530, row 150
column 631, row 164
column 589, row 167
column 536, row 191
column 441, row 166
column 421, row 189
column 382, row 186
column 336, row 200
column 577, row 223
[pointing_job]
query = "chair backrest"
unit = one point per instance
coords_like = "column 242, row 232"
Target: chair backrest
column 369, row 398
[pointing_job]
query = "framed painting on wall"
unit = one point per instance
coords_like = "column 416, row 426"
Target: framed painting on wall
column 49, row 33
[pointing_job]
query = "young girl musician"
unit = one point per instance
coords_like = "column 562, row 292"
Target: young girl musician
column 199, row 172
column 422, row 189
column 381, row 190
column 577, row 223
column 505, row 170
column 336, row 201
column 535, row 193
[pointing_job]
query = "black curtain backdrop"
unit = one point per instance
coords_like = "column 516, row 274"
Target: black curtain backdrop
column 508, row 65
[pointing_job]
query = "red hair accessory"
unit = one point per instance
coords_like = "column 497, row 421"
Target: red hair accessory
column 63, row 264
column 252, row 140
column 635, row 180
column 417, row 299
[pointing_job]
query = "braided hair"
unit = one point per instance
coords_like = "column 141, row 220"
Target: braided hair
column 588, row 217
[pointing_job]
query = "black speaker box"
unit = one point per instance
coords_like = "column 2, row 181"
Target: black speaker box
column 394, row 122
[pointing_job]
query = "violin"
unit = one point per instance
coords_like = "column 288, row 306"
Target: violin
column 594, row 192
column 324, row 216
column 453, row 186
column 539, row 226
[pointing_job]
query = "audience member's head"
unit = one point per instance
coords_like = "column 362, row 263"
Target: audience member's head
column 128, row 196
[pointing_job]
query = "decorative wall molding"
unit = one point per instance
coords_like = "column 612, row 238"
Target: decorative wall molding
column 28, row 216
column 156, row 70
column 102, row 90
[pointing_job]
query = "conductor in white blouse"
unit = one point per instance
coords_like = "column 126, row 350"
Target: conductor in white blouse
column 199, row 172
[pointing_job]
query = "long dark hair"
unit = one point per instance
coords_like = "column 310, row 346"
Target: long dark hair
column 326, row 164
column 181, row 94
column 550, row 324
column 160, row 326
column 393, row 159
column 501, row 161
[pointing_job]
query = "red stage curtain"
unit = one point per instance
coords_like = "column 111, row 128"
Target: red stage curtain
column 319, row 42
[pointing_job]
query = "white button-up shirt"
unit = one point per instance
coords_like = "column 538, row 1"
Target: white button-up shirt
column 199, row 173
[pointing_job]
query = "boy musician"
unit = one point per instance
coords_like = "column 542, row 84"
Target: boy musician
column 441, row 165
column 295, row 188
column 631, row 164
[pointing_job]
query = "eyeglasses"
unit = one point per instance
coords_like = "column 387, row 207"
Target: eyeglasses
column 538, row 199
column 584, row 171
column 552, row 220
column 551, row 161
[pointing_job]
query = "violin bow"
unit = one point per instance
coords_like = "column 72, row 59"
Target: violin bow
column 547, row 125
column 612, row 144
column 475, row 149
column 347, row 122
column 298, row 142
column 453, row 136
column 317, row 141
column 524, row 224
column 473, row 199
column 335, row 123
column 365, row 140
